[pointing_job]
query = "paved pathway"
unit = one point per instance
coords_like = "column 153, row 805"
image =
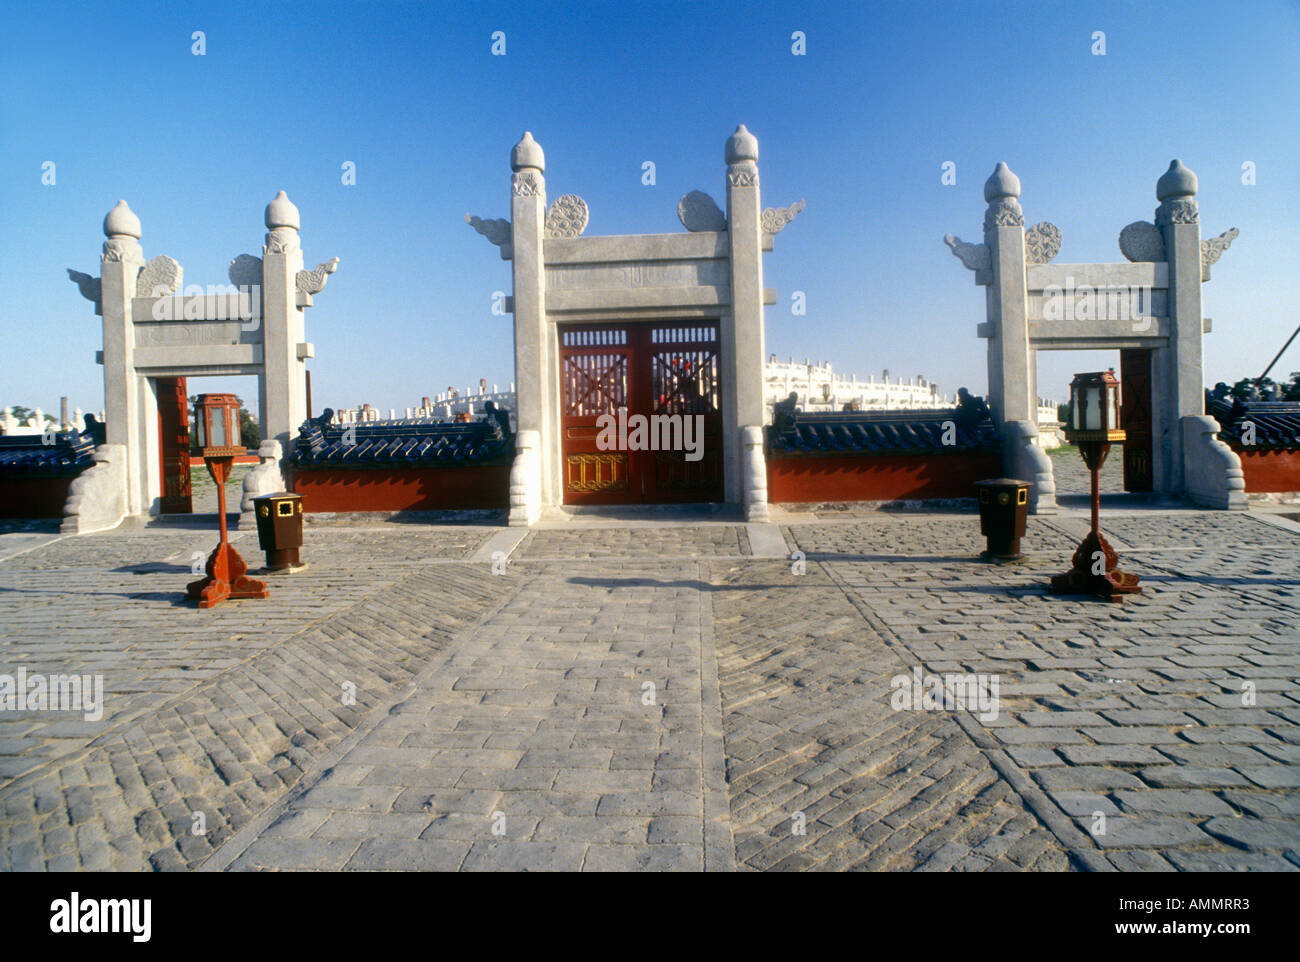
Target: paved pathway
column 659, row 696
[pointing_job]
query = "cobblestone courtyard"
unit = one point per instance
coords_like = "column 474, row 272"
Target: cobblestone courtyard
column 659, row 695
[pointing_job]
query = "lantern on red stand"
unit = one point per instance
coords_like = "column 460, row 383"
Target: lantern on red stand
column 216, row 419
column 1094, row 426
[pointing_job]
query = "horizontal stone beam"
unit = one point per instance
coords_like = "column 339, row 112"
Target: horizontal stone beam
column 1150, row 274
column 696, row 245
column 196, row 308
column 200, row 360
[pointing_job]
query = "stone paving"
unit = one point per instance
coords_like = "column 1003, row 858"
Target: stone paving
column 653, row 696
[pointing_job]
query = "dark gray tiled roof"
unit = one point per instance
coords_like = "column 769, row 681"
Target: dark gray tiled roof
column 1277, row 423
column 27, row 456
column 411, row 443
column 881, row 432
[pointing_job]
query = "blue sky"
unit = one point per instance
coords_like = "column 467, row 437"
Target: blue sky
column 858, row 127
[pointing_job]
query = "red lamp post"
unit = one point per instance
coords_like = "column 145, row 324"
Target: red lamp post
column 216, row 418
column 1094, row 425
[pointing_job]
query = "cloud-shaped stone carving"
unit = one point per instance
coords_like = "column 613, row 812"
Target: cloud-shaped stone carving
column 496, row 230
column 160, row 277
column 1212, row 249
column 973, row 257
column 311, row 282
column 698, row 211
column 566, row 217
column 1042, row 243
column 1142, row 241
column 774, row 219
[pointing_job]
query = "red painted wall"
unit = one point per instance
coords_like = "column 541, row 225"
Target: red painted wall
column 33, row 497
column 403, row 489
column 1271, row 470
column 915, row 476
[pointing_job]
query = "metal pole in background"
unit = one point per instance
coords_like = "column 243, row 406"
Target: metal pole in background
column 1260, row 379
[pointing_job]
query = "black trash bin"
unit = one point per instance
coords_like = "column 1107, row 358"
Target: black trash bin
column 279, row 529
column 1004, row 511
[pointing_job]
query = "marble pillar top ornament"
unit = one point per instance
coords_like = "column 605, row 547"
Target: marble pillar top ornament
column 282, row 225
column 1176, row 191
column 1212, row 249
column 1177, row 181
column 1042, row 243
column 742, row 158
column 121, row 222
column 1001, row 183
column 742, row 146
column 245, row 271
column 774, row 219
column 282, row 213
column 311, row 282
column 698, row 211
column 160, row 277
column 1000, row 191
column 122, row 228
column 566, row 217
column 527, row 154
column 973, row 257
column 1142, row 241
column 496, row 229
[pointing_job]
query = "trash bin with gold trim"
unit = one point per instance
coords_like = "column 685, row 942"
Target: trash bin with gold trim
column 1004, row 511
column 279, row 529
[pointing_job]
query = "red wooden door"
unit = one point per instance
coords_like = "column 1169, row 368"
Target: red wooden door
column 1135, row 388
column 174, row 441
column 660, row 373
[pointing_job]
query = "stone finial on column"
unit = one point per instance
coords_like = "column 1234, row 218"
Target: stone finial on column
column 1001, row 191
column 529, row 164
column 282, row 225
column 742, row 158
column 1176, row 191
column 122, row 228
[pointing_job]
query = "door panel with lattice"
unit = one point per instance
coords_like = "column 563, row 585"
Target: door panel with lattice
column 659, row 384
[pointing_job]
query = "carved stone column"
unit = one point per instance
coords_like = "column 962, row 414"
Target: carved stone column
column 1178, row 388
column 284, row 383
column 1011, row 384
column 535, row 356
column 120, row 267
column 742, row 330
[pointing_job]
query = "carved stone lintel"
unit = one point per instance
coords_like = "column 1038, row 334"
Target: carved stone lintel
column 527, row 183
column 1003, row 212
column 1180, row 210
column 1142, row 241
column 90, row 287
column 496, row 230
column 566, row 217
column 1042, row 243
column 698, row 211
column 245, row 271
column 1213, row 248
column 159, row 278
column 973, row 257
column 741, row 175
column 774, row 219
column 282, row 240
column 311, row 282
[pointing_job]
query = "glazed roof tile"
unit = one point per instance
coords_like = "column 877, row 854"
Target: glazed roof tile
column 417, row 442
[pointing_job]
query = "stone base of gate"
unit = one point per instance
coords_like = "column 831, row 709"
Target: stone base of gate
column 97, row 498
column 1212, row 474
column 1024, row 459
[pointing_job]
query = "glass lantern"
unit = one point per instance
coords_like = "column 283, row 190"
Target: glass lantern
column 216, row 418
column 1094, row 408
